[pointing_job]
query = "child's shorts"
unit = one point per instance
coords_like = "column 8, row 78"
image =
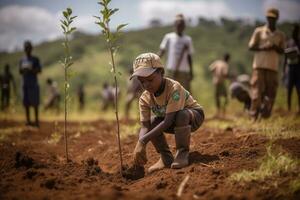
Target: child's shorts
column 196, row 119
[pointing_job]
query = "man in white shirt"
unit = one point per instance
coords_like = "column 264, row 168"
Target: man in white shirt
column 179, row 50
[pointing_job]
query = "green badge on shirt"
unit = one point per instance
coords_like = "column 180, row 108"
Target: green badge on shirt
column 176, row 95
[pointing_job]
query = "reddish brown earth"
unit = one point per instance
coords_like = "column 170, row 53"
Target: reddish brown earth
column 31, row 168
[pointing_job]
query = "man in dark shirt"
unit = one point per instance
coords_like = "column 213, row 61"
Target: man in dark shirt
column 29, row 68
column 5, row 84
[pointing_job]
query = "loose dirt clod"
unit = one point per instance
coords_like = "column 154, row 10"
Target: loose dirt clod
column 23, row 160
column 91, row 167
column 133, row 172
column 30, row 174
column 50, row 184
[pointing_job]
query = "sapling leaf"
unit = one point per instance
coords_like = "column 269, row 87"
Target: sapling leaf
column 65, row 14
column 69, row 10
column 121, row 26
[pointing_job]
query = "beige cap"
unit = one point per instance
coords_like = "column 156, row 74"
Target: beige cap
column 145, row 64
column 272, row 12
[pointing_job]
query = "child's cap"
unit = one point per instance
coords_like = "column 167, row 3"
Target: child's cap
column 272, row 12
column 145, row 64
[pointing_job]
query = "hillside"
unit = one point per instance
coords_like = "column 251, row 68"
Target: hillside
column 92, row 69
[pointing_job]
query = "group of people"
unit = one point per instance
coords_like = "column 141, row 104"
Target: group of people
column 258, row 92
column 165, row 101
column 167, row 106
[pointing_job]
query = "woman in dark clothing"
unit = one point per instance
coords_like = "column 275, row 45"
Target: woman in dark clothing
column 29, row 68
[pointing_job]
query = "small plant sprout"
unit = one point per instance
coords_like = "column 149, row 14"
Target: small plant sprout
column 66, row 63
column 111, row 39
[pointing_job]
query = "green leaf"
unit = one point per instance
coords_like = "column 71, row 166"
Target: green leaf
column 102, row 25
column 64, row 22
column 69, row 10
column 97, row 17
column 63, row 28
column 72, row 29
column 121, row 26
column 101, row 3
column 73, row 17
column 65, row 14
column 111, row 12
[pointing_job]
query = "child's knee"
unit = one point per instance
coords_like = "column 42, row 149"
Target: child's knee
column 182, row 118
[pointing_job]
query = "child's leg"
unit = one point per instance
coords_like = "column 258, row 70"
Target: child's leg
column 162, row 147
column 182, row 133
column 186, row 121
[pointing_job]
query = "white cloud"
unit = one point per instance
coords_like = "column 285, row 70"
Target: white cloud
column 19, row 23
column 166, row 10
column 289, row 9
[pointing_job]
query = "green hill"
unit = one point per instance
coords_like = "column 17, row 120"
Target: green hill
column 91, row 67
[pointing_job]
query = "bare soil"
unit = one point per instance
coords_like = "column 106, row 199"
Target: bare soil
column 33, row 168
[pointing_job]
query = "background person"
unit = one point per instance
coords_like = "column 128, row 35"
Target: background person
column 179, row 58
column 29, row 68
column 268, row 43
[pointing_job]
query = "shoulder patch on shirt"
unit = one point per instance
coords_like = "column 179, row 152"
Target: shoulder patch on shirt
column 176, row 95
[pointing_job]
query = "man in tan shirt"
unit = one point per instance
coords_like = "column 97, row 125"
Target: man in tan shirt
column 267, row 42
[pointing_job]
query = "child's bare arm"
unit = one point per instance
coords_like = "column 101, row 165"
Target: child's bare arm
column 162, row 126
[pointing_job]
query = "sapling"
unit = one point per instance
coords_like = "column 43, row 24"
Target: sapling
column 66, row 63
column 111, row 40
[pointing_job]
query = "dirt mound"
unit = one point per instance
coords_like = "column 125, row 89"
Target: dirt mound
column 134, row 172
column 91, row 167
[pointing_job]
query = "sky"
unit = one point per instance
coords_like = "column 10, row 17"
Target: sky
column 38, row 20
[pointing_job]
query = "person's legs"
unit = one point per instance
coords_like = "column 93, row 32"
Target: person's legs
column 217, row 99
column 182, row 133
column 271, row 83
column 162, row 147
column 28, row 122
column 257, row 88
column 129, row 100
column 289, row 96
column 36, row 113
column 2, row 99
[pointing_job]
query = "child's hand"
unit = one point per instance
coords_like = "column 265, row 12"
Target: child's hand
column 140, row 156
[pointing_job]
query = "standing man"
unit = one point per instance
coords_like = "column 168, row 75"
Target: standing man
column 6, row 79
column 219, row 69
column 291, row 66
column 267, row 42
column 179, row 48
column 29, row 69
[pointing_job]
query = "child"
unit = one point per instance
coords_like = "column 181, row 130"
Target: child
column 174, row 111
column 54, row 96
column 219, row 69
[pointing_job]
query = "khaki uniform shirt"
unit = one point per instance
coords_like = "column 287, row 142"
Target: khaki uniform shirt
column 264, row 37
column 220, row 71
column 173, row 99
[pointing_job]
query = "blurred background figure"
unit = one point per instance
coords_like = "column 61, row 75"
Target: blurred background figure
column 29, row 69
column 108, row 96
column 268, row 43
column 219, row 69
column 134, row 91
column 54, row 97
column 240, row 90
column 179, row 59
column 291, row 66
column 81, row 96
column 6, row 80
